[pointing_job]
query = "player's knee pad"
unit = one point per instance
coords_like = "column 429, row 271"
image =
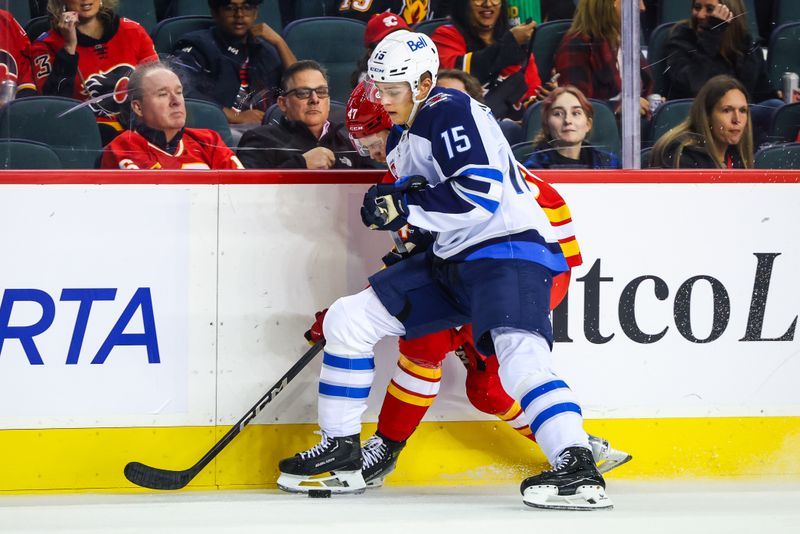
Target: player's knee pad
column 523, row 357
column 354, row 324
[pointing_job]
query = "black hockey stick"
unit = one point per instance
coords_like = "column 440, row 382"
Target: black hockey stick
column 165, row 479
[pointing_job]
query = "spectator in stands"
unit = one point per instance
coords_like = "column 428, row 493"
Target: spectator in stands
column 15, row 64
column 460, row 81
column 716, row 135
column 480, row 42
column 713, row 41
column 303, row 138
column 237, row 64
column 566, row 122
column 88, row 54
column 157, row 138
column 411, row 11
column 588, row 56
column 379, row 26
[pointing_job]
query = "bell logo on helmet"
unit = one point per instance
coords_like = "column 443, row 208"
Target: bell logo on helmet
column 416, row 45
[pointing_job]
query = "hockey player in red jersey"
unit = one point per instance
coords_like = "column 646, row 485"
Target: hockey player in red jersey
column 157, row 138
column 88, row 54
column 416, row 380
column 14, row 55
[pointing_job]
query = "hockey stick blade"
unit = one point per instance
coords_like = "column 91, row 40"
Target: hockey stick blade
column 165, row 479
column 155, row 478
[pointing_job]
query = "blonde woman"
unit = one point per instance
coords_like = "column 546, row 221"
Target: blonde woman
column 89, row 53
column 716, row 135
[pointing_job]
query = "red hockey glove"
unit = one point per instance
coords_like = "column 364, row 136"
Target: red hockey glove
column 314, row 333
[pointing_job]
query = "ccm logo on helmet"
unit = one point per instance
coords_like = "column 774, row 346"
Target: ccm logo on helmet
column 416, row 45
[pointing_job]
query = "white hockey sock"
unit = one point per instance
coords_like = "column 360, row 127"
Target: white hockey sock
column 551, row 408
column 352, row 327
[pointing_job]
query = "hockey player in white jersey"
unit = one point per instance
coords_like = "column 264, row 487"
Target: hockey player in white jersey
column 491, row 265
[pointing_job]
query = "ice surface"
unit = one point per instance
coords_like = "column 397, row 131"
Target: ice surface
column 641, row 507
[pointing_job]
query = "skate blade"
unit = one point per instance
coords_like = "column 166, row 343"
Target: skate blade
column 375, row 483
column 337, row 482
column 613, row 459
column 586, row 498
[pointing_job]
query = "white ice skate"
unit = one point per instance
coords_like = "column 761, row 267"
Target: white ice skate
column 605, row 456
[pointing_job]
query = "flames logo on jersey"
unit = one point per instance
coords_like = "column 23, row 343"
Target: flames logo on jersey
column 8, row 66
column 108, row 90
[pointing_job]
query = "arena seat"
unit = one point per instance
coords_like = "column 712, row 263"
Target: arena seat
column 26, row 154
column 21, row 9
column 785, row 124
column 335, row 42
column 787, row 11
column 141, row 11
column 546, row 39
column 169, row 31
column 204, row 114
column 304, row 9
column 429, row 26
column 784, row 52
column 657, row 59
column 71, row 131
column 183, row 8
column 779, row 157
column 36, row 27
column 668, row 116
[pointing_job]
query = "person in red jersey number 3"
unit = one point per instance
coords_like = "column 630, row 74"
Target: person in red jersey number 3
column 157, row 138
column 88, row 54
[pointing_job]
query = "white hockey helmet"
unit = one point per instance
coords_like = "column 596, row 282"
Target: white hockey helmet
column 404, row 56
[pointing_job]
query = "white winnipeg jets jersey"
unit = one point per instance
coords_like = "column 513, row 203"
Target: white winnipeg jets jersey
column 477, row 201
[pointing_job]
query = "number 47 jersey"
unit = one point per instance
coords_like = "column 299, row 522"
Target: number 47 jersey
column 477, row 202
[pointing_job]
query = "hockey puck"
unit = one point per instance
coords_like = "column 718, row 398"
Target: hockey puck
column 319, row 493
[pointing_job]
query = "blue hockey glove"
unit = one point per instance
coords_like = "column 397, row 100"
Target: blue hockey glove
column 384, row 206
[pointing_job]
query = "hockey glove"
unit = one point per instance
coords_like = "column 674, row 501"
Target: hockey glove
column 384, row 205
column 314, row 333
column 416, row 241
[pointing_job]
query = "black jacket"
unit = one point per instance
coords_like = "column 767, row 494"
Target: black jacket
column 693, row 58
column 696, row 157
column 282, row 145
column 209, row 62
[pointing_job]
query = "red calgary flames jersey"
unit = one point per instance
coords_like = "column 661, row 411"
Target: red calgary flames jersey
column 103, row 68
column 14, row 49
column 197, row 149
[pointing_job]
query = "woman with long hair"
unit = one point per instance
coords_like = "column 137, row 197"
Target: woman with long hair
column 588, row 56
column 716, row 135
column 567, row 118
column 714, row 40
column 89, row 53
column 480, row 42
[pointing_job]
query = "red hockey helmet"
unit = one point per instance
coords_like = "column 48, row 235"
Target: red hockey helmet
column 364, row 114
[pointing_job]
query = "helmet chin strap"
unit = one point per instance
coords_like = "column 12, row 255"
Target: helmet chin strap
column 415, row 106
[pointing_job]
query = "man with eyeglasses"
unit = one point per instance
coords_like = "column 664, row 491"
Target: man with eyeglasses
column 237, row 63
column 303, row 138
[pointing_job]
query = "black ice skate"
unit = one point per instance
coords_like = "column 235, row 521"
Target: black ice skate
column 380, row 458
column 605, row 456
column 574, row 484
column 333, row 464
